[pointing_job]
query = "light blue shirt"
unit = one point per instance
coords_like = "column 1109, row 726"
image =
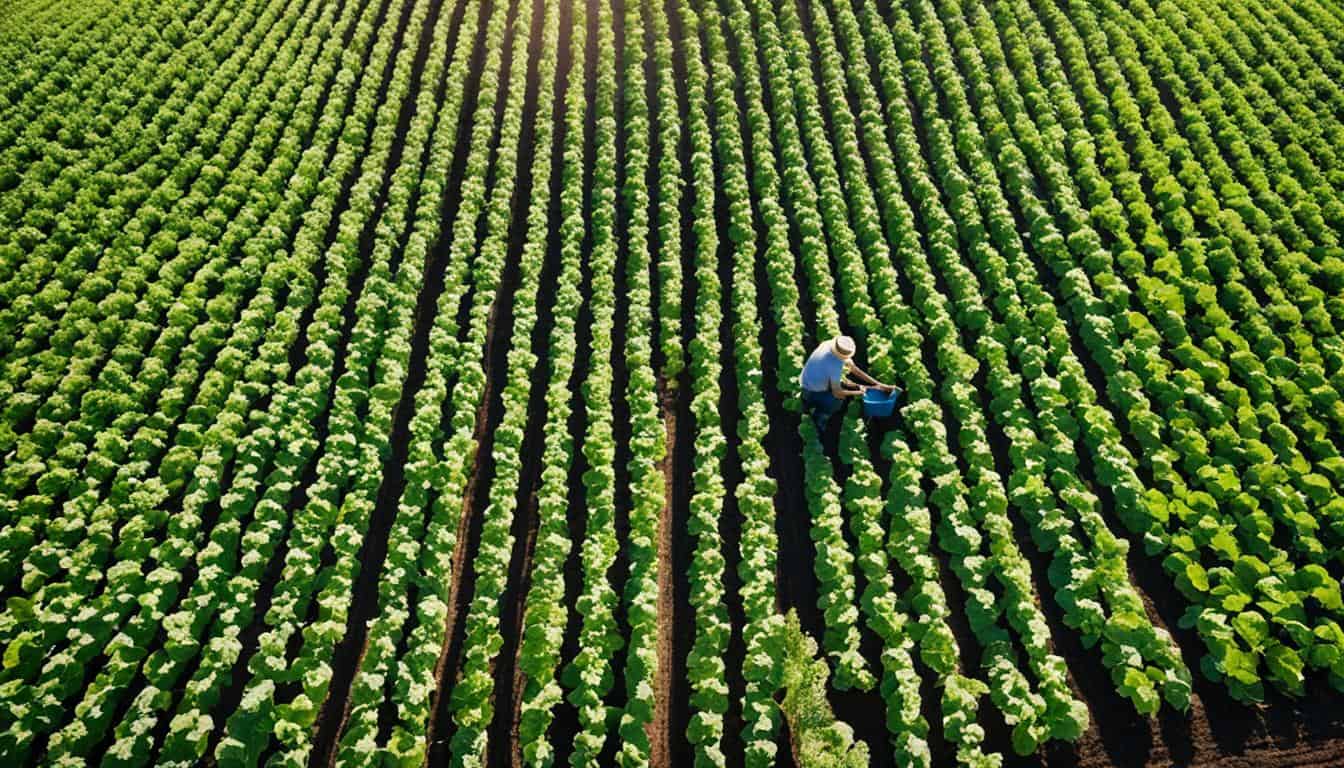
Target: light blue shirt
column 823, row 369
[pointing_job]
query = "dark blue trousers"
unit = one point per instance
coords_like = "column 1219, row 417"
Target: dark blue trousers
column 821, row 405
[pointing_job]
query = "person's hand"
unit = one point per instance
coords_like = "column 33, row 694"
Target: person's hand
column 888, row 388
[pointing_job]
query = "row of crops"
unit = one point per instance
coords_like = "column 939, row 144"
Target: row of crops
column 393, row 381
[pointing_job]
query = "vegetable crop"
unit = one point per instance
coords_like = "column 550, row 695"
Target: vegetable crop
column 406, row 382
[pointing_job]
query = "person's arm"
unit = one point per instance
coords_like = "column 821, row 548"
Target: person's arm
column 863, row 376
column 838, row 389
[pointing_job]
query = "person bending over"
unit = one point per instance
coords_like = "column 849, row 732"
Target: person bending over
column 828, row 378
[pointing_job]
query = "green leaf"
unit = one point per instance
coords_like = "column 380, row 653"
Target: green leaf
column 1024, row 740
column 1241, row 666
column 1138, row 688
column 1252, row 627
column 1225, row 544
column 1198, row 577
column 20, row 609
column 1177, row 693
column 1250, row 569
column 1285, row 666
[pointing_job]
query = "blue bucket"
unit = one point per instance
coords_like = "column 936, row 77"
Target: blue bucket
column 878, row 404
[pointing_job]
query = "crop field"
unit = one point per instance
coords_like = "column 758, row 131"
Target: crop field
column 416, row 382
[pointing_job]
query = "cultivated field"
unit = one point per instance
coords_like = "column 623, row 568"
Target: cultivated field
column 404, row 382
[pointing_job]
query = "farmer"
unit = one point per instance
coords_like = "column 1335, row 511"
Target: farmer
column 823, row 379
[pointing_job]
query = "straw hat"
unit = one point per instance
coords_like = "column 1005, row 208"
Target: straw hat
column 843, row 347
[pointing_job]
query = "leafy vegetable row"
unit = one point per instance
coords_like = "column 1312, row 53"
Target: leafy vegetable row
column 648, row 435
column 590, row 675
column 757, row 544
column 112, row 376
column 1088, row 565
column 705, row 664
column 546, row 611
column 1283, row 505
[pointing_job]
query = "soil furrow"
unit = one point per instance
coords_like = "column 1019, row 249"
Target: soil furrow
column 677, row 403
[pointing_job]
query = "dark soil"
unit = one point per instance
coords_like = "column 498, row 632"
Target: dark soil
column 658, row 730
column 675, row 685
